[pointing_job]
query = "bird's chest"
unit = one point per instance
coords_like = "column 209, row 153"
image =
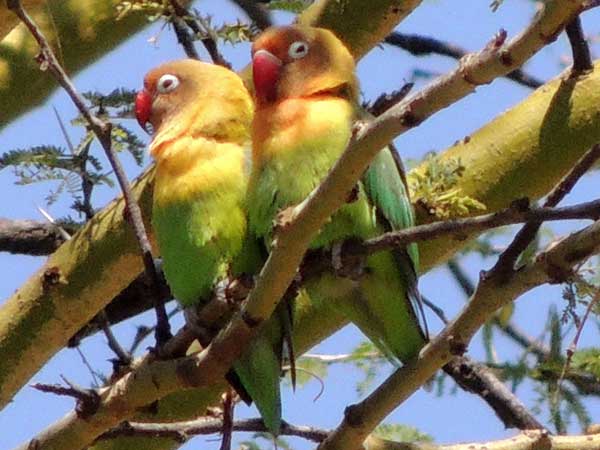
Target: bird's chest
column 295, row 146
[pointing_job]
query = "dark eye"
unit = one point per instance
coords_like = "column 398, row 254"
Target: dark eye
column 298, row 50
column 167, row 83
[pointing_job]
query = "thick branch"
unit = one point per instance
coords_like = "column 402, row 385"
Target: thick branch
column 528, row 440
column 29, row 237
column 477, row 378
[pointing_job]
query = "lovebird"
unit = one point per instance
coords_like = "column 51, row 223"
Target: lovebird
column 306, row 103
column 201, row 115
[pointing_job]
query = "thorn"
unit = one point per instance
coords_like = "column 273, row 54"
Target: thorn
column 66, row 236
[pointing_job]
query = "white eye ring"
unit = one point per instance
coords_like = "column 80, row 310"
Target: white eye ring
column 298, row 49
column 167, row 83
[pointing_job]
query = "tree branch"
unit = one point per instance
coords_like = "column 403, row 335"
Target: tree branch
column 259, row 15
column 529, row 440
column 209, row 43
column 526, row 235
column 103, row 131
column 180, row 432
column 419, row 45
column 493, row 292
column 582, row 59
column 461, row 227
column 184, row 38
column 29, row 237
column 477, row 378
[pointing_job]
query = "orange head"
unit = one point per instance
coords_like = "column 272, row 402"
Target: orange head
column 300, row 61
column 194, row 98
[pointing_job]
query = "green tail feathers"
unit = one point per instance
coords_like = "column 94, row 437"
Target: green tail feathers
column 259, row 369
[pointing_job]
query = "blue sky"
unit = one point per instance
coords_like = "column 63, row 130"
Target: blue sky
column 470, row 24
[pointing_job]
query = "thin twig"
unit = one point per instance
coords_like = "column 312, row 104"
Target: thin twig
column 64, row 233
column 87, row 399
column 460, row 227
column 227, row 428
column 582, row 58
column 124, row 358
column 87, row 186
column 506, row 261
column 184, row 38
column 207, row 40
column 419, row 45
column 86, row 363
column 573, row 346
column 439, row 312
column 58, row 389
column 102, row 130
column 205, row 426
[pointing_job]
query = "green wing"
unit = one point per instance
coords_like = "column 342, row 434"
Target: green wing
column 385, row 184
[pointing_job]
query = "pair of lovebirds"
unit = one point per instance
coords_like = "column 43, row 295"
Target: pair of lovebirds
column 225, row 168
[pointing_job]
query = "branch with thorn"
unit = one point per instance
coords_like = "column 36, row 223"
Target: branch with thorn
column 102, row 130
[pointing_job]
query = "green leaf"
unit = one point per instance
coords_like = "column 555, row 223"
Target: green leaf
column 435, row 189
column 587, row 360
column 125, row 140
column 555, row 335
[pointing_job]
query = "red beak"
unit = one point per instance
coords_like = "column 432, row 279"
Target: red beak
column 266, row 69
column 143, row 107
